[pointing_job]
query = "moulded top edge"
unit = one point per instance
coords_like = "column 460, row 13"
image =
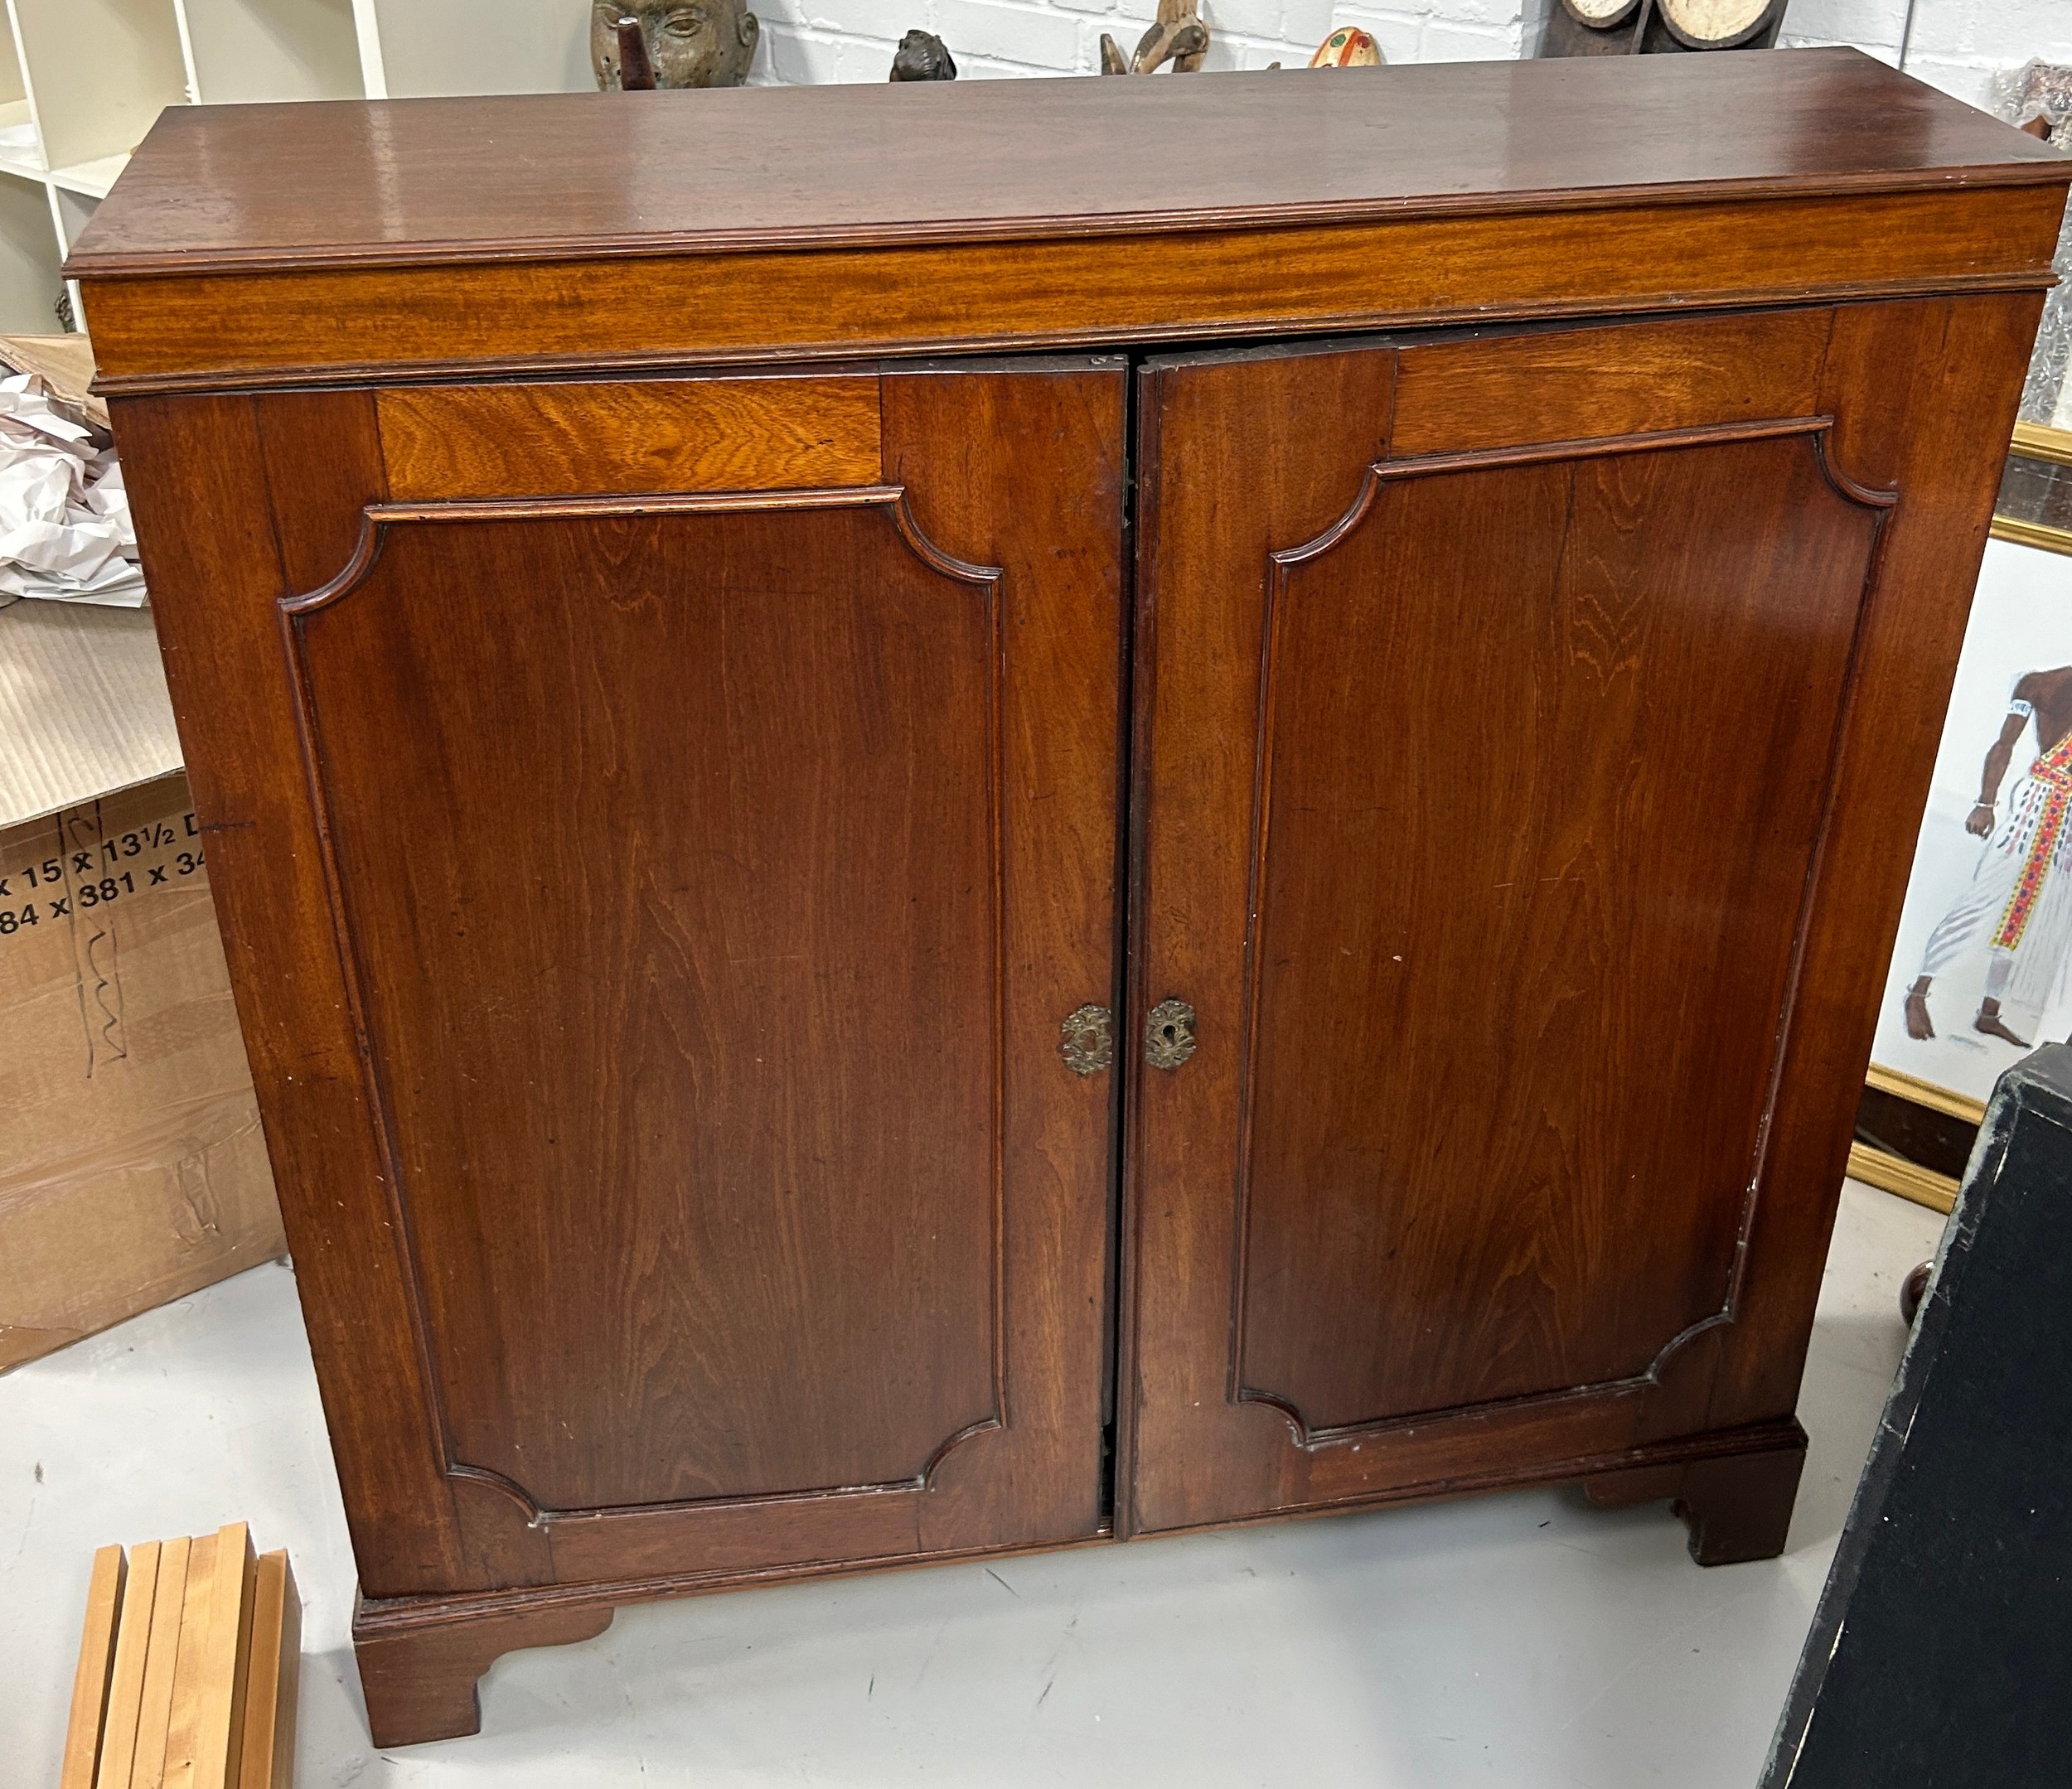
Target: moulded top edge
column 581, row 176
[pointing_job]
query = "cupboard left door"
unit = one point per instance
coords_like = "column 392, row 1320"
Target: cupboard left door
column 660, row 827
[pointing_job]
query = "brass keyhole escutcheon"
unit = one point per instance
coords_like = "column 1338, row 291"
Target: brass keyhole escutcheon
column 1169, row 1034
column 1087, row 1040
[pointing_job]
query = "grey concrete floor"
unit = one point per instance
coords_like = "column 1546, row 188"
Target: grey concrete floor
column 1521, row 1639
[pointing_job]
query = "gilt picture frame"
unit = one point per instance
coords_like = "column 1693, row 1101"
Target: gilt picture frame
column 1982, row 971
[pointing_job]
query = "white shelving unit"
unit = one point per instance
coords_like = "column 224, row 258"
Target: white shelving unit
column 82, row 80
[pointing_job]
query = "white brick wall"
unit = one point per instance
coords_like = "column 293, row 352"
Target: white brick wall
column 1960, row 46
column 1966, row 47
column 854, row 40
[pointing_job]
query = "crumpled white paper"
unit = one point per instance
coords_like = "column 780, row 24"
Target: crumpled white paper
column 64, row 528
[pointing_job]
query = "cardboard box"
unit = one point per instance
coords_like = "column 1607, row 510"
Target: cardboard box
column 132, row 1167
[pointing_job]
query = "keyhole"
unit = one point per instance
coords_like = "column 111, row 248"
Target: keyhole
column 1169, row 1034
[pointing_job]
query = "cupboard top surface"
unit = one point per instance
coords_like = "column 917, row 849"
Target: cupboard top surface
column 344, row 182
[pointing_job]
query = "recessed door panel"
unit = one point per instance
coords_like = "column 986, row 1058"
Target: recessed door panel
column 1544, row 754
column 668, row 844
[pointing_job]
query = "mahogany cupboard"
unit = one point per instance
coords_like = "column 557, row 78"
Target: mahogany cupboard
column 1268, row 899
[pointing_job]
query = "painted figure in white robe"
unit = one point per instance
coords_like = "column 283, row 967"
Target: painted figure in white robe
column 2019, row 906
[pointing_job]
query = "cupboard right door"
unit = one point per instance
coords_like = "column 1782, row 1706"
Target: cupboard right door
column 1532, row 728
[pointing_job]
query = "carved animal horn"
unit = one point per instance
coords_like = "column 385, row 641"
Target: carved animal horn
column 637, row 73
column 1112, row 62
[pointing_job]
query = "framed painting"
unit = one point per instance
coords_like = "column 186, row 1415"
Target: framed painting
column 1981, row 971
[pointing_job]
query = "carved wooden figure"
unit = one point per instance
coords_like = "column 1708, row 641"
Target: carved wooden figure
column 771, row 749
column 637, row 45
column 923, row 56
column 1176, row 36
column 1348, row 47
